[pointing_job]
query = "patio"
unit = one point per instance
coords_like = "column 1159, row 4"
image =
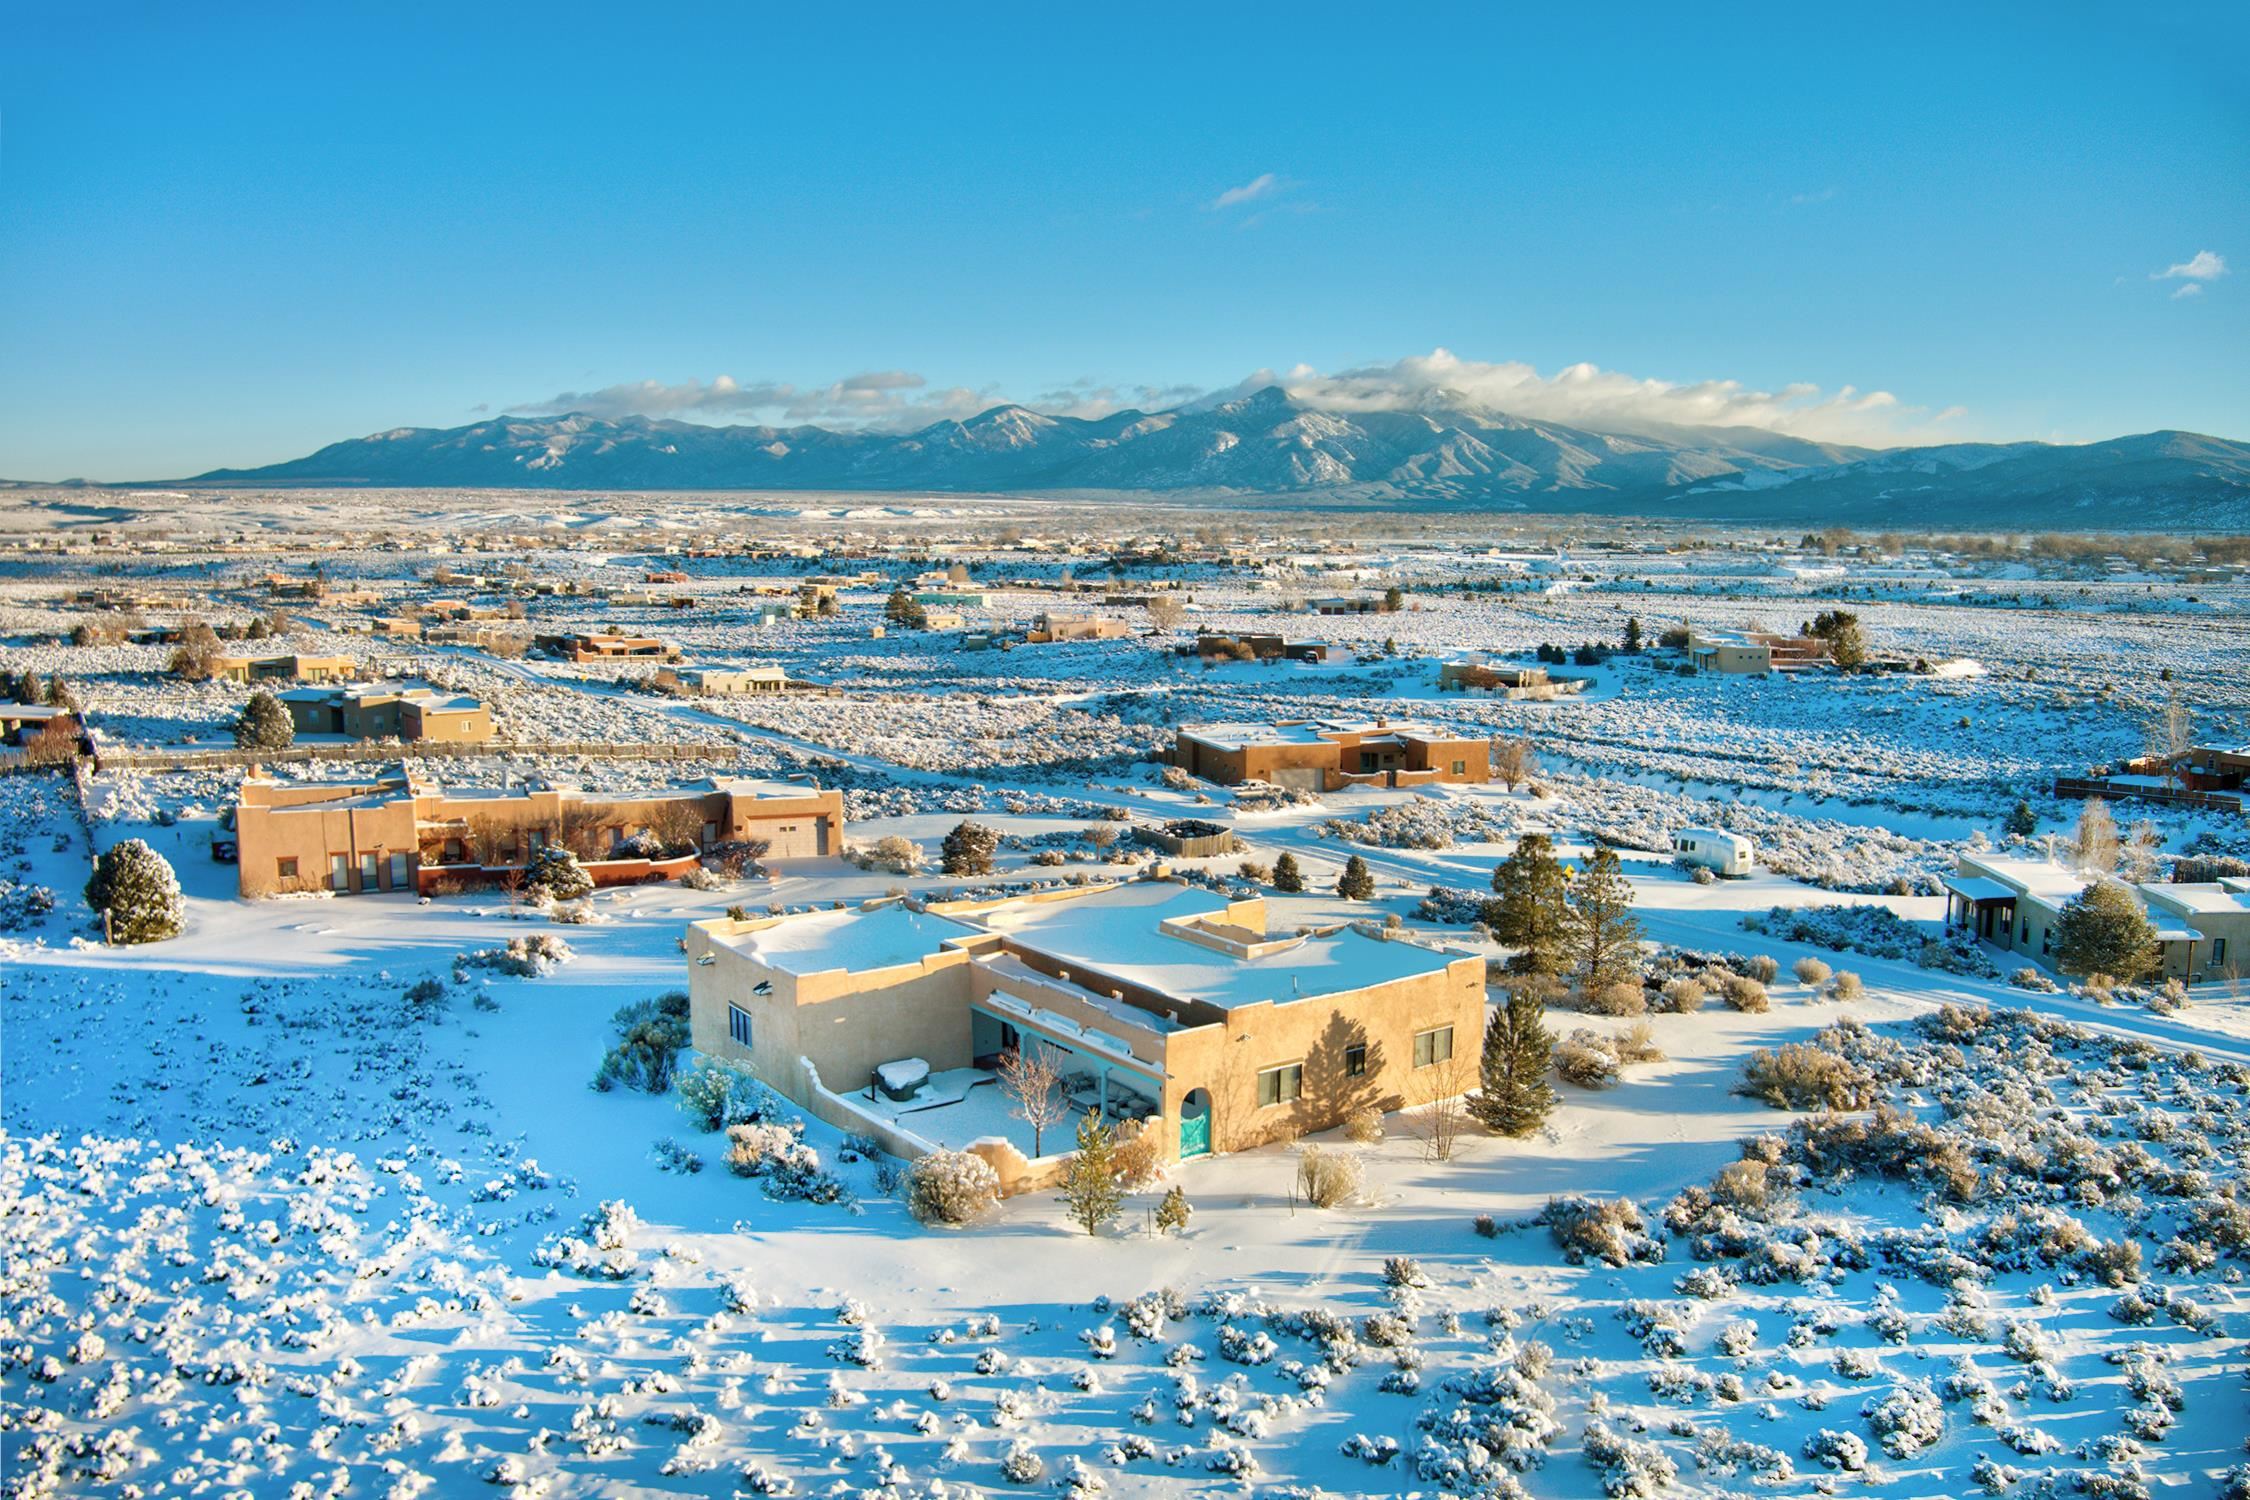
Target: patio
column 960, row 1105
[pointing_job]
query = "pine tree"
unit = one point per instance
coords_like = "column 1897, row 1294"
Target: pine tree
column 2023, row 821
column 1288, row 878
column 1090, row 1191
column 904, row 610
column 968, row 849
column 136, row 886
column 1847, row 647
column 1530, row 910
column 1603, row 939
column 2103, row 930
column 264, row 724
column 1518, row 1049
column 1633, row 640
column 1172, row 1213
column 1357, row 883
column 555, row 874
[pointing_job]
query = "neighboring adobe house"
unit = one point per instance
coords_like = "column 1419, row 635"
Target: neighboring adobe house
column 1265, row 647
column 1167, row 1003
column 596, row 646
column 2014, row 905
column 1050, row 627
column 375, row 711
column 283, row 668
column 2213, row 776
column 398, row 833
column 721, row 681
column 1740, row 652
column 1325, row 755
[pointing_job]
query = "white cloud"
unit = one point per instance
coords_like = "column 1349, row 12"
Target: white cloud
column 2204, row 265
column 886, row 399
column 1264, row 185
column 1584, row 395
column 1580, row 395
column 2187, row 289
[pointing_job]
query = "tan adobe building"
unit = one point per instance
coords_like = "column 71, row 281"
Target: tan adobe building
column 398, row 833
column 601, row 647
column 1165, row 1004
column 368, row 711
column 284, row 668
column 1325, row 755
column 2014, row 905
column 1049, row 627
column 722, row 681
column 1745, row 652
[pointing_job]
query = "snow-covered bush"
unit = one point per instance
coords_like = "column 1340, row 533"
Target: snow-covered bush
column 1803, row 1075
column 1613, row 1231
column 553, row 873
column 716, row 1092
column 136, row 886
column 1327, row 1178
column 951, row 1187
column 1906, row 1420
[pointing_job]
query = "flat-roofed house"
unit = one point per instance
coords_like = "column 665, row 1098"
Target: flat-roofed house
column 399, row 833
column 290, row 668
column 1753, row 651
column 2015, row 905
column 722, row 681
column 1328, row 754
column 1049, row 627
column 377, row 711
column 600, row 646
column 1165, row 1004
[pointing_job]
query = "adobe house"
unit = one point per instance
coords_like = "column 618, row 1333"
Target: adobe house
column 2014, row 905
column 292, row 667
column 399, row 833
column 375, row 712
column 597, row 646
column 1741, row 653
column 1263, row 646
column 1049, row 627
column 1167, row 1005
column 1326, row 755
column 721, row 681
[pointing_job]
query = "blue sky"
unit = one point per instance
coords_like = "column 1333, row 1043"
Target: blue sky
column 231, row 233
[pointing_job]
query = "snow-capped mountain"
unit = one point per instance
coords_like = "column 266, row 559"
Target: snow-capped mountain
column 1443, row 450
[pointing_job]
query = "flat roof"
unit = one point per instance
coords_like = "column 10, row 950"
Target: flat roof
column 2201, row 896
column 854, row 939
column 1117, row 932
column 1241, row 736
column 2036, row 878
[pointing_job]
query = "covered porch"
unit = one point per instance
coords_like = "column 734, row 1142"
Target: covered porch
column 1983, row 906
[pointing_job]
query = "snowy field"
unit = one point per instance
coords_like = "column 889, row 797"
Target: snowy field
column 315, row 1200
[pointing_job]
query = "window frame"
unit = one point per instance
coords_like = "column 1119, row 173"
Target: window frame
column 1355, row 1060
column 1430, row 1036
column 285, row 867
column 1288, row 1073
column 741, row 1026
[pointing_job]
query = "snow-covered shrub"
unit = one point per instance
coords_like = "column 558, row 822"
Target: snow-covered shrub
column 1743, row 993
column 1847, row 986
column 1628, row 1468
column 1906, row 1420
column 716, row 1092
column 1764, row 968
column 554, row 874
column 651, row 1035
column 1613, row 1231
column 1810, row 971
column 136, row 886
column 1684, row 995
column 1803, row 1075
column 1832, row 1449
column 522, row 957
column 1020, row 1464
column 1587, row 1059
column 1327, row 1178
column 951, row 1187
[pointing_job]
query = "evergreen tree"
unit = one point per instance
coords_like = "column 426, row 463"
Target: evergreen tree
column 968, row 850
column 1288, row 878
column 1518, row 1049
column 1603, row 939
column 1530, row 911
column 1394, row 599
column 1357, row 883
column 1633, row 640
column 2023, row 820
column 1090, row 1191
column 264, row 724
column 59, row 694
column 555, row 874
column 2104, row 930
column 136, row 886
column 1847, row 647
column 1172, row 1213
column 904, row 610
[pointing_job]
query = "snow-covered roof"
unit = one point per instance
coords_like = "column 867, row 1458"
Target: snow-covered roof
column 1241, row 736
column 1978, row 888
column 1119, row 933
column 2048, row 884
column 2200, row 896
column 856, row 940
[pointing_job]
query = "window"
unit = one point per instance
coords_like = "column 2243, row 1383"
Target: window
column 285, row 868
column 1281, row 1085
column 2218, row 951
column 738, row 1025
column 1460, row 768
column 1355, row 1060
column 1433, row 1047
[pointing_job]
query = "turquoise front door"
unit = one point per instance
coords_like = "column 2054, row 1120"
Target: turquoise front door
column 1195, row 1135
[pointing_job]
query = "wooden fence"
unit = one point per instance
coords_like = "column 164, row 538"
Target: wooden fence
column 2068, row 787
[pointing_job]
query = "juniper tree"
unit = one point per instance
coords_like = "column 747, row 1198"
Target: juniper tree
column 1518, row 1050
column 264, row 724
column 2103, row 930
column 135, row 885
column 1357, row 883
column 1172, row 1213
column 2023, row 820
column 1602, row 937
column 1529, row 911
column 968, row 849
column 1287, row 877
column 1090, row 1191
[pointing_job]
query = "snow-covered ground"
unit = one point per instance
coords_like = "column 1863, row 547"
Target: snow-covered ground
column 308, row 1201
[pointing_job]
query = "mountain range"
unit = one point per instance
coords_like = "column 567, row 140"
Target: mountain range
column 1444, row 451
